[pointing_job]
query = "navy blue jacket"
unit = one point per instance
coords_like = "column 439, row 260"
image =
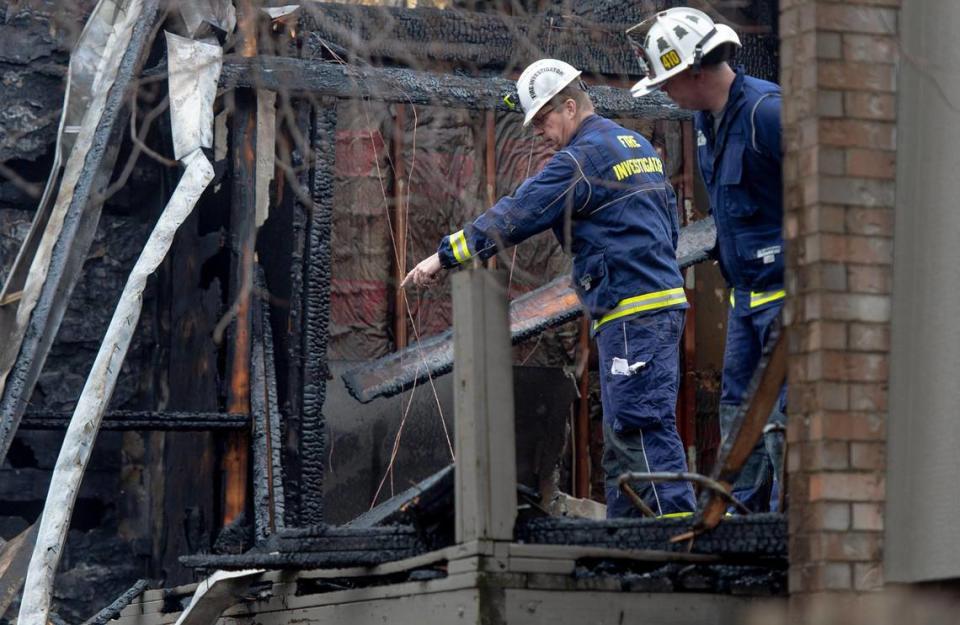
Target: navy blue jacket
column 741, row 166
column 606, row 199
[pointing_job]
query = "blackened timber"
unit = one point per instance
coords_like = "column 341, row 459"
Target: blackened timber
column 321, row 546
column 392, row 84
column 593, row 39
column 76, row 235
column 752, row 537
column 298, row 133
column 181, row 463
column 265, row 423
column 113, row 610
column 299, row 560
column 530, row 314
column 316, row 315
column 243, row 235
column 128, row 420
column 484, row 40
column 428, row 497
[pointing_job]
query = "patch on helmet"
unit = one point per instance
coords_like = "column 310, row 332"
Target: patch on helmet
column 533, row 79
column 693, row 18
column 681, row 31
column 670, row 59
column 662, row 44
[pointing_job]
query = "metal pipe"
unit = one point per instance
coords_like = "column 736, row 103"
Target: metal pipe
column 721, row 489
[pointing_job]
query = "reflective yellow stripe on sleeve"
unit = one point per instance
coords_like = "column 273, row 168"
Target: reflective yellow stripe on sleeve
column 458, row 243
column 641, row 303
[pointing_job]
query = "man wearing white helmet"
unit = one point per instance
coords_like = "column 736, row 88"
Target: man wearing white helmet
column 607, row 201
column 685, row 54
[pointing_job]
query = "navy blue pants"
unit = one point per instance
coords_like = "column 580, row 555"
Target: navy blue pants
column 639, row 379
column 758, row 484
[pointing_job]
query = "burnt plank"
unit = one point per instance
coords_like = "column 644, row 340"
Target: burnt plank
column 134, row 420
column 181, row 460
column 393, row 84
column 316, row 312
column 530, row 314
column 482, row 40
column 591, row 36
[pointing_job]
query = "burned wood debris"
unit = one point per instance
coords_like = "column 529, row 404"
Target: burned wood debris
column 273, row 272
column 550, row 305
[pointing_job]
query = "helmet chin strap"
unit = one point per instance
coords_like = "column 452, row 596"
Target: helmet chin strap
column 698, row 50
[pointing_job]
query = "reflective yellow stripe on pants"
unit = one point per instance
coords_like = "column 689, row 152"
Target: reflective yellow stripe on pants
column 642, row 303
column 759, row 298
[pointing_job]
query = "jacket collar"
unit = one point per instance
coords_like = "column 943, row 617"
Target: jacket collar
column 591, row 120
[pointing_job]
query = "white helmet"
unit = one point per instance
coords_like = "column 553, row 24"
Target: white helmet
column 675, row 40
column 541, row 81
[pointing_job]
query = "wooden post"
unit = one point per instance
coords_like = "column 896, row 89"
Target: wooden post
column 243, row 234
column 687, row 416
column 581, row 436
column 490, row 166
column 399, row 227
column 486, row 467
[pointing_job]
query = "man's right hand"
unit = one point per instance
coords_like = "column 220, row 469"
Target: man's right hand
column 425, row 273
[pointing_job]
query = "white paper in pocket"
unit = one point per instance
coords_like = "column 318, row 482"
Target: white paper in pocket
column 620, row 366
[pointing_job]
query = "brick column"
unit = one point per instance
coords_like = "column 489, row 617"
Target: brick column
column 839, row 62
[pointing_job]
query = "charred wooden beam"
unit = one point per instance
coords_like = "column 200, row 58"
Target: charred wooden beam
column 113, row 610
column 754, row 537
column 427, row 498
column 530, row 314
column 316, row 312
column 297, row 133
column 392, row 84
column 483, row 40
column 321, row 546
column 265, row 425
column 130, row 420
column 243, row 236
column 591, row 38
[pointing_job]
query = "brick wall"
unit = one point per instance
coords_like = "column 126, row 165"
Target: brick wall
column 839, row 62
